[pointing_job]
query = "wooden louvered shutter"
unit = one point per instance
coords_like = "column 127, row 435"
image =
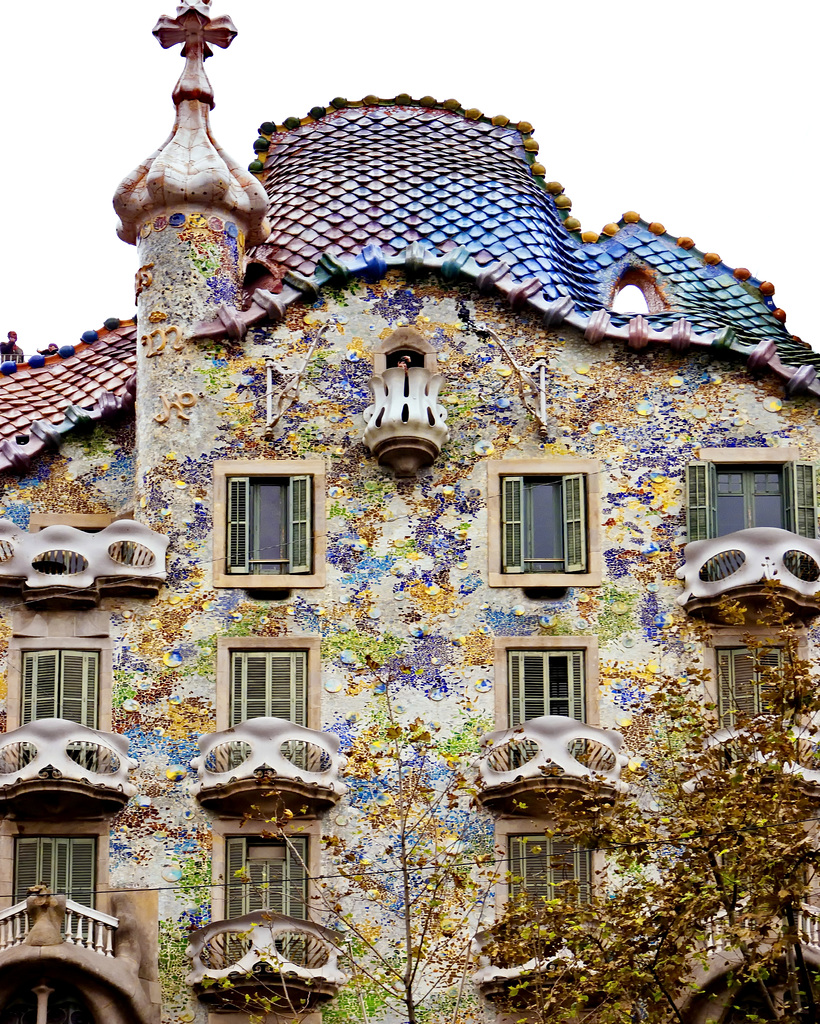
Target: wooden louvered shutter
column 296, row 881
column 40, row 672
column 236, row 891
column 61, row 866
column 527, row 686
column 738, row 692
column 299, row 524
column 256, row 691
column 577, row 703
column 238, row 523
column 81, row 870
column 286, row 686
column 800, row 498
column 575, row 523
column 530, row 867
column 583, row 873
column 767, row 658
column 701, row 501
column 78, row 687
column 512, row 524
column 27, row 866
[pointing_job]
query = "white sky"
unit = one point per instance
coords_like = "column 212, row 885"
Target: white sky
column 699, row 114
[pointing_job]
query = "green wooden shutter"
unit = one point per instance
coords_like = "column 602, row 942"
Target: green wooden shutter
column 800, row 498
column 296, row 891
column 81, row 870
column 701, row 501
column 40, row 675
column 577, row 703
column 235, row 889
column 515, row 672
column 768, row 658
column 266, row 683
column 238, row 523
column 512, row 524
column 78, row 687
column 299, row 524
column 738, row 692
column 278, row 880
column 575, row 523
column 530, row 866
column 26, row 866
column 583, row 873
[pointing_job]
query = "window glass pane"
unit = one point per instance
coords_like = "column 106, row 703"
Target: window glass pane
column 768, row 500
column 543, row 526
column 731, row 509
column 269, row 550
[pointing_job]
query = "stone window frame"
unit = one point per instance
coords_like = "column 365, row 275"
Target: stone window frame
column 314, row 468
column 735, row 637
column 11, row 829
column 591, row 470
column 225, row 645
column 588, row 644
column 404, row 337
column 514, row 825
column 224, row 828
column 61, row 631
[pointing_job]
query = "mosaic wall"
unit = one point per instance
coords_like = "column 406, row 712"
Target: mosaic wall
column 406, row 563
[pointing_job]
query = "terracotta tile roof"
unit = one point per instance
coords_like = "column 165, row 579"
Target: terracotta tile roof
column 94, row 382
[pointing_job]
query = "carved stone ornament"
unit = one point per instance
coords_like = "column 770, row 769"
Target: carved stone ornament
column 190, row 169
column 405, row 425
column 45, row 913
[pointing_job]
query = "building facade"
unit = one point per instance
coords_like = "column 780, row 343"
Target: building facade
column 375, row 450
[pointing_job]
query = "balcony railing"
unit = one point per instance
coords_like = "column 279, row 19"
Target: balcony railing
column 55, row 768
column 124, row 558
column 738, row 563
column 266, row 765
column 278, row 960
column 405, row 424
column 82, row 927
column 520, row 766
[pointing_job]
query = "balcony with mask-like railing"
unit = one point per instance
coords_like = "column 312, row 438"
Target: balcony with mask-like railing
column 405, row 425
column 524, row 768
column 62, row 564
column 58, row 770
column 264, row 960
column 744, row 566
column 265, row 766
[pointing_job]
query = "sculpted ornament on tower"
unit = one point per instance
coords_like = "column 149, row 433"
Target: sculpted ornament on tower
column 190, row 170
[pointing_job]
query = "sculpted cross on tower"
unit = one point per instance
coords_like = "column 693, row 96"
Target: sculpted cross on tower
column 195, row 29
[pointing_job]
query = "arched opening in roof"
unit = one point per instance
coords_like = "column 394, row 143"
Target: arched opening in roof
column 636, row 292
column 258, row 275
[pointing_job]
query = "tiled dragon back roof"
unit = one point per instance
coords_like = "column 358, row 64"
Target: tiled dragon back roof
column 401, row 172
column 393, row 175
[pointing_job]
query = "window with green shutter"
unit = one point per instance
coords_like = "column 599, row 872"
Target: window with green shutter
column 723, row 499
column 266, row 874
column 66, row 864
column 269, row 684
column 544, row 868
column 60, row 684
column 545, row 683
column 269, row 525
column 543, row 523
column 739, row 672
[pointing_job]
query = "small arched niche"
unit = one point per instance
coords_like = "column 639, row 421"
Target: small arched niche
column 637, row 292
column 404, row 343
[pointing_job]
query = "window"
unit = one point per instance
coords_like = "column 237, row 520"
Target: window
column 60, row 684
column 275, row 872
column 66, row 864
column 269, row 525
column 543, row 523
column 545, row 683
column 541, row 867
column 726, row 497
column 738, row 674
column 269, row 684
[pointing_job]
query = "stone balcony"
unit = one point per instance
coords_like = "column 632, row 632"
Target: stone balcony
column 65, row 565
column 739, row 565
column 80, row 926
column 508, row 982
column 265, row 766
column 731, row 746
column 524, row 768
column 264, row 960
column 63, row 771
column 405, row 424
